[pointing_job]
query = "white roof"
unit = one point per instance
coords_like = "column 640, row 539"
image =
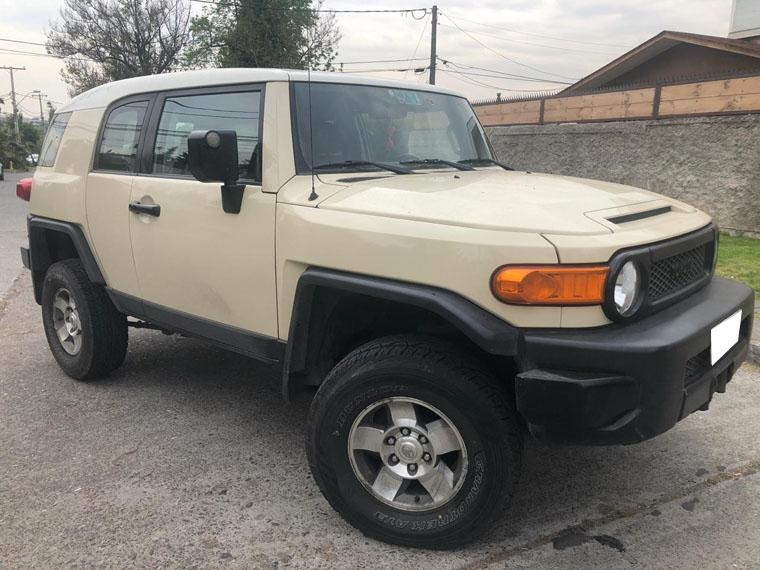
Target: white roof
column 103, row 95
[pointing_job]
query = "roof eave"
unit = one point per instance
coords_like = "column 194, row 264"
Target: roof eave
column 666, row 40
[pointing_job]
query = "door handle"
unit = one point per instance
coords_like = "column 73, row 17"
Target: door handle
column 147, row 209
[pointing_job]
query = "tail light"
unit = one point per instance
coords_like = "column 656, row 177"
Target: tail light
column 24, row 189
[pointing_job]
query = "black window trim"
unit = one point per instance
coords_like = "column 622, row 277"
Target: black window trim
column 145, row 158
column 142, row 97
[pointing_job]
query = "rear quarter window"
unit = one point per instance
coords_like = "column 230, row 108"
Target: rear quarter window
column 53, row 139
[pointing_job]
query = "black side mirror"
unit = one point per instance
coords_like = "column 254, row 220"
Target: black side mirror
column 213, row 157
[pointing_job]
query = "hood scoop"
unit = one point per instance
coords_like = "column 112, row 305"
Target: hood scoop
column 626, row 218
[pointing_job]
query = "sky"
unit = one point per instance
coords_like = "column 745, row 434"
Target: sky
column 539, row 40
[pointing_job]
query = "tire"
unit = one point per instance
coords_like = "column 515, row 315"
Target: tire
column 102, row 330
column 441, row 382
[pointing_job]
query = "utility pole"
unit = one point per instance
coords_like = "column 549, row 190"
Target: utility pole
column 39, row 96
column 433, row 54
column 11, row 69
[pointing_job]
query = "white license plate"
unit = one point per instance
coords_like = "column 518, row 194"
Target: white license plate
column 723, row 336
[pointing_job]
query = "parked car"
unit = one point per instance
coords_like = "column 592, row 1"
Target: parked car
column 361, row 235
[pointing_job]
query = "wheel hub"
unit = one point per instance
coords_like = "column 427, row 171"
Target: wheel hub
column 409, row 449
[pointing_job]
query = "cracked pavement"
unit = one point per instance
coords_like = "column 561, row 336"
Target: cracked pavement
column 186, row 457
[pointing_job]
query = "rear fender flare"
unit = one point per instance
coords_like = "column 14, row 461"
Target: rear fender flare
column 40, row 258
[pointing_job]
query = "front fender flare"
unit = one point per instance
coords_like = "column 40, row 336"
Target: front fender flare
column 487, row 331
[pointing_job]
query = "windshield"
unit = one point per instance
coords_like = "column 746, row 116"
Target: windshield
column 362, row 124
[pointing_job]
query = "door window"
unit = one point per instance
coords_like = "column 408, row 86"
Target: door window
column 121, row 135
column 235, row 111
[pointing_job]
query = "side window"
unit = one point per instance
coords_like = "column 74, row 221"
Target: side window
column 237, row 111
column 121, row 134
column 53, row 139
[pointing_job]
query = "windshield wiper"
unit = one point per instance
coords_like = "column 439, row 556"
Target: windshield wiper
column 352, row 163
column 457, row 165
column 484, row 162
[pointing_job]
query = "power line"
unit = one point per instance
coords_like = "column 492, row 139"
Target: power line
column 401, row 11
column 492, row 76
column 417, row 47
column 16, row 52
column 502, row 74
column 415, row 69
column 20, row 52
column 522, row 42
column 471, row 81
column 477, row 83
column 476, row 40
column 381, row 61
column 21, row 42
column 505, row 29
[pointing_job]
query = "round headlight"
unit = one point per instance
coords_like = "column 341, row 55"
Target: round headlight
column 627, row 288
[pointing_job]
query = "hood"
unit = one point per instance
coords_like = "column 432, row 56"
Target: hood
column 501, row 200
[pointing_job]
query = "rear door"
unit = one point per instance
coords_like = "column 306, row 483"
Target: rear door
column 109, row 186
column 193, row 260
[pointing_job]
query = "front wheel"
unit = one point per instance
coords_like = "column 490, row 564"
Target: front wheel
column 414, row 442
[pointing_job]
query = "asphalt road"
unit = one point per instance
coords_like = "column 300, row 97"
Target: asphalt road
column 186, row 458
column 12, row 230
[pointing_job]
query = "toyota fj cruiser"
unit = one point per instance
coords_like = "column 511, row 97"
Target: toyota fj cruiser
column 361, row 235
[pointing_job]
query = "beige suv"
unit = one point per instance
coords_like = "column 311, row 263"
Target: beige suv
column 361, row 235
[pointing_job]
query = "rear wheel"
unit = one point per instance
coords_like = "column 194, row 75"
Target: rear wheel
column 414, row 442
column 87, row 335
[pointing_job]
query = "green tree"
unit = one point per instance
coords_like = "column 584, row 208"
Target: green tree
column 15, row 151
column 105, row 40
column 31, row 135
column 263, row 33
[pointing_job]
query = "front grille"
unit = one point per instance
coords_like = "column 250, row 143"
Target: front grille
column 677, row 272
column 671, row 271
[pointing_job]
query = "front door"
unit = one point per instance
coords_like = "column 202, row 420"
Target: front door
column 193, row 261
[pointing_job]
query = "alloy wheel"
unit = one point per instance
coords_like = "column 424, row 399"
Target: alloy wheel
column 407, row 454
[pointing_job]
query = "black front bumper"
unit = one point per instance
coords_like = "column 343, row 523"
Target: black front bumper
column 625, row 383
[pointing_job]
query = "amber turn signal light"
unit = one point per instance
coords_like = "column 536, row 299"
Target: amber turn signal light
column 550, row 284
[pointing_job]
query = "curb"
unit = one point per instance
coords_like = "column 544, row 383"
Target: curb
column 754, row 342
